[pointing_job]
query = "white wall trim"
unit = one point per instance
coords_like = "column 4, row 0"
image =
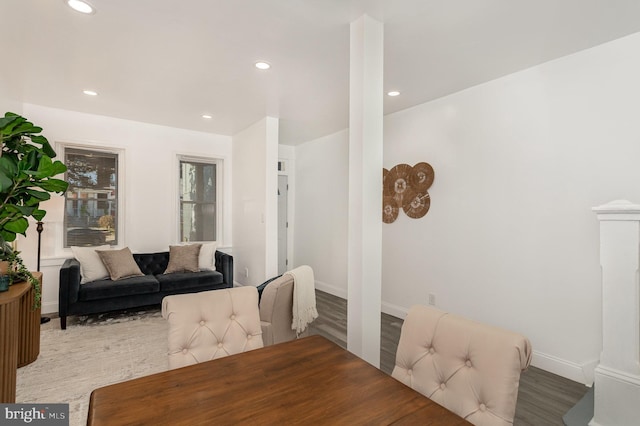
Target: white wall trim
column 222, row 193
column 53, row 261
column 567, row 369
column 49, row 308
column 394, row 310
column 121, row 164
column 581, row 373
column 331, row 289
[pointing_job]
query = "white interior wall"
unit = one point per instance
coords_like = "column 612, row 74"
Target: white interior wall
column 510, row 238
column 321, row 205
column 9, row 92
column 150, row 186
column 8, row 104
column 255, row 204
column 11, row 70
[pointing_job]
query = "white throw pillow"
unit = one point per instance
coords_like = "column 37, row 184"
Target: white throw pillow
column 91, row 266
column 206, row 259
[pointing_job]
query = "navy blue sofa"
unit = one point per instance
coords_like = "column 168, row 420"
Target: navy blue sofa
column 107, row 295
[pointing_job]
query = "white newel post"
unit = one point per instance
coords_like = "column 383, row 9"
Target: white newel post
column 617, row 377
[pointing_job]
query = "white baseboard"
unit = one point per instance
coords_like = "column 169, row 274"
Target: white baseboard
column 49, row 308
column 567, row 369
column 333, row 290
column 394, row 310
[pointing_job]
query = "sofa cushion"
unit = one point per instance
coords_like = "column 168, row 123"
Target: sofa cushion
column 183, row 258
column 120, row 263
column 180, row 280
column 152, row 263
column 91, row 266
column 207, row 259
column 103, row 289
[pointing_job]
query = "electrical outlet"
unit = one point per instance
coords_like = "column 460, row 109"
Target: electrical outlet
column 432, row 299
column 246, row 272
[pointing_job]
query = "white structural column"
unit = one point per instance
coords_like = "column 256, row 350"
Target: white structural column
column 617, row 377
column 365, row 190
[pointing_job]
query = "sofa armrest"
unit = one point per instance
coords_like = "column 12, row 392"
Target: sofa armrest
column 224, row 265
column 69, row 285
column 276, row 311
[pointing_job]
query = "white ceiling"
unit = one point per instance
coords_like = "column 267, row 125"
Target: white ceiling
column 169, row 61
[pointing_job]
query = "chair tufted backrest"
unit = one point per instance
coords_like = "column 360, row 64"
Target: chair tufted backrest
column 472, row 369
column 276, row 313
column 211, row 324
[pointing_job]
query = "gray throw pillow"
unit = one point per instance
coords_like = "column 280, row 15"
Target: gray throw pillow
column 120, row 263
column 183, row 259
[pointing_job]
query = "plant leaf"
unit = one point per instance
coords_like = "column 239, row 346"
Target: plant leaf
column 6, row 120
column 26, row 128
column 17, row 226
column 38, row 214
column 8, row 165
column 8, row 127
column 40, row 195
column 23, row 210
column 54, row 185
column 59, row 167
column 7, row 236
column 46, row 146
column 5, row 182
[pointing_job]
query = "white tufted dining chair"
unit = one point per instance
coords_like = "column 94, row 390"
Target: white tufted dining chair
column 470, row 368
column 211, row 324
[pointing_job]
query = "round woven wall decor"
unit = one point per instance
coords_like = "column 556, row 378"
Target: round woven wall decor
column 421, row 177
column 390, row 209
column 397, row 181
column 386, row 189
column 406, row 187
column 416, row 203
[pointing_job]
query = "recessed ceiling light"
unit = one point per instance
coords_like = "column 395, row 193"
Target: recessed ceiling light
column 81, row 6
column 90, row 92
column 393, row 93
column 207, row 116
column 262, row 65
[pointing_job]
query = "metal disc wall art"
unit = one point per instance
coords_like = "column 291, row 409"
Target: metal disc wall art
column 406, row 187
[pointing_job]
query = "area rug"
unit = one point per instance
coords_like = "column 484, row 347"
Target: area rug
column 93, row 351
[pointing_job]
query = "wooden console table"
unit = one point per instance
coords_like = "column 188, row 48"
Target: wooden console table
column 19, row 335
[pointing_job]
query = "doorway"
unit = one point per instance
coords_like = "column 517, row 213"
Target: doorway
column 283, row 223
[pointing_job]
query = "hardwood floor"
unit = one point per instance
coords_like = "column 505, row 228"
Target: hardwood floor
column 543, row 397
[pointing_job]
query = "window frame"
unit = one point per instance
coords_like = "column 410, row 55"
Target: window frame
column 220, row 196
column 120, row 164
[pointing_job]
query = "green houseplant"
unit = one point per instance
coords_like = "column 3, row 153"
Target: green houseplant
column 27, row 177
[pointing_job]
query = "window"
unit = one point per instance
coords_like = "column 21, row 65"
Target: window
column 198, row 197
column 91, row 201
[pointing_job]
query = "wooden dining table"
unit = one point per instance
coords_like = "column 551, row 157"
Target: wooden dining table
column 306, row 381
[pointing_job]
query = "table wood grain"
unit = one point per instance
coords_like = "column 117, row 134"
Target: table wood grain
column 305, row 381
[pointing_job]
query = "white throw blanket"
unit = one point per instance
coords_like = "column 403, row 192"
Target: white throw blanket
column 304, row 298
